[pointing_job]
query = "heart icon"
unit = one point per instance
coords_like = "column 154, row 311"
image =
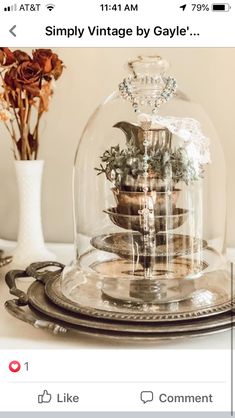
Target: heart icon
column 14, row 366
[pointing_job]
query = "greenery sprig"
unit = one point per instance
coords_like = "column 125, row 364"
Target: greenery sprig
column 164, row 163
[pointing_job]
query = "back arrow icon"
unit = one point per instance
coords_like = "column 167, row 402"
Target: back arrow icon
column 12, row 30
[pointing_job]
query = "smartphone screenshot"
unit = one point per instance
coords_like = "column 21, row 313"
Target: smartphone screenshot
column 117, row 230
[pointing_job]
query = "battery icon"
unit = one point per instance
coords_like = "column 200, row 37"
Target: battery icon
column 220, row 7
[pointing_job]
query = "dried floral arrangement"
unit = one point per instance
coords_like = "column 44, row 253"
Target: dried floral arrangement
column 27, row 87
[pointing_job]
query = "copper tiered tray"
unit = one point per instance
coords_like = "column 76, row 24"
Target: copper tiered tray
column 208, row 311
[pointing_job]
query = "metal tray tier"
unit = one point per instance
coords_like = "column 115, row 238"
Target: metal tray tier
column 130, row 245
column 135, row 222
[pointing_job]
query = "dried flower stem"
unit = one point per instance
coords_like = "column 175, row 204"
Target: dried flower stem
column 26, row 92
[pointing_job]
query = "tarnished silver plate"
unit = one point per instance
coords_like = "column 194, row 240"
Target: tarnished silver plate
column 212, row 296
column 124, row 243
column 35, row 308
column 41, row 305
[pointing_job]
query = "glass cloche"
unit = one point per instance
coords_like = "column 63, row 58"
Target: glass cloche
column 149, row 198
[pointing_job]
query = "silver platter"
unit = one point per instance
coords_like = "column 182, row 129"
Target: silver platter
column 36, row 309
column 212, row 296
column 139, row 338
column 125, row 244
column 113, row 329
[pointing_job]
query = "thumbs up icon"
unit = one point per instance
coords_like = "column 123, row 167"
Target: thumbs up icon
column 45, row 397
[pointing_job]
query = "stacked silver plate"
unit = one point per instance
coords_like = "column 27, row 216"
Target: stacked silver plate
column 209, row 310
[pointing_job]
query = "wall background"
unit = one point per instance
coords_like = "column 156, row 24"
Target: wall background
column 205, row 74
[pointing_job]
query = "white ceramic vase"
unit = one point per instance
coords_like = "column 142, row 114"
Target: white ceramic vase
column 30, row 243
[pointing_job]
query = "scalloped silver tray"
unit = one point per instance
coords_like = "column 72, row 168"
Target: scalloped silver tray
column 212, row 296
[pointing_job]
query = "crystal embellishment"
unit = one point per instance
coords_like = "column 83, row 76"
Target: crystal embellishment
column 130, row 86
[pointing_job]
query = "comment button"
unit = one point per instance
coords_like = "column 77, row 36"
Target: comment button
column 146, row 396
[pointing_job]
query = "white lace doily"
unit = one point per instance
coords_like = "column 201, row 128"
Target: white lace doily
column 196, row 144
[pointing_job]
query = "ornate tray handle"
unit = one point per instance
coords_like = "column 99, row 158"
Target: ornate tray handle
column 15, row 310
column 10, row 279
column 14, row 307
column 35, row 270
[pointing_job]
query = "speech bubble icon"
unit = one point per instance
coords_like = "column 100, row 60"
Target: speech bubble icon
column 146, row 396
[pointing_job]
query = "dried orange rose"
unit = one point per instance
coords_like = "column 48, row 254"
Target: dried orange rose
column 6, row 57
column 27, row 76
column 49, row 62
column 21, row 56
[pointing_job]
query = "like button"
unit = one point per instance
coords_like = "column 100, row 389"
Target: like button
column 45, row 397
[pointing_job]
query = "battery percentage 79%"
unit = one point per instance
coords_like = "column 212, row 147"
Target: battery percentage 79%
column 197, row 7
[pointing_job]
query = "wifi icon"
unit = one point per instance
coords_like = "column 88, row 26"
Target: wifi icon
column 50, row 7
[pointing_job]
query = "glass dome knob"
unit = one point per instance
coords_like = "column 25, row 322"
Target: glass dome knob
column 152, row 65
